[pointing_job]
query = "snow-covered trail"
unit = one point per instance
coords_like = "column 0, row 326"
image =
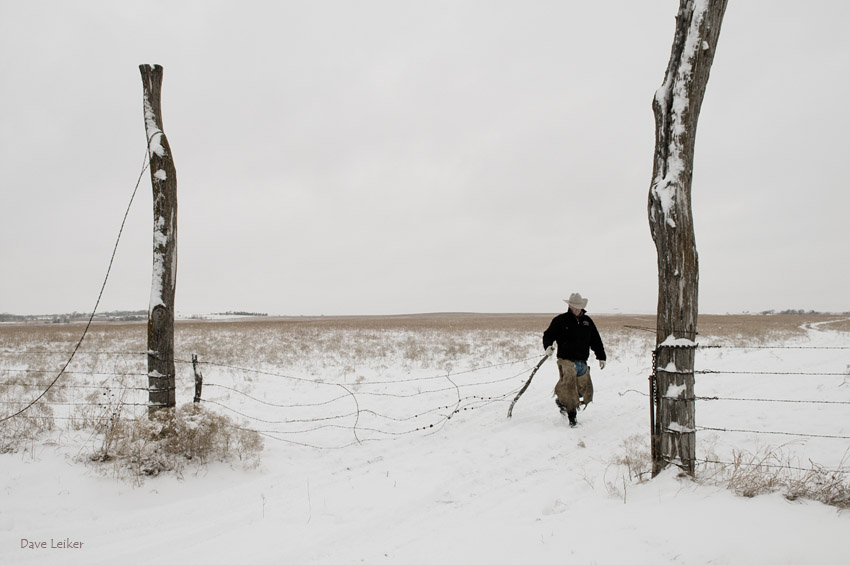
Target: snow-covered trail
column 482, row 489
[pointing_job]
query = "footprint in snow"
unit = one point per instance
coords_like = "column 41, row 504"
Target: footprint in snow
column 557, row 507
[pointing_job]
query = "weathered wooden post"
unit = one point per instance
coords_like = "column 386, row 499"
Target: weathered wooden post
column 161, row 372
column 199, row 379
column 676, row 106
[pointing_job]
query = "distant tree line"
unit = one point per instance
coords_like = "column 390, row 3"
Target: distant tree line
column 240, row 313
column 116, row 316
column 799, row 312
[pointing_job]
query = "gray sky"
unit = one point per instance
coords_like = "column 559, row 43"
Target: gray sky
column 371, row 157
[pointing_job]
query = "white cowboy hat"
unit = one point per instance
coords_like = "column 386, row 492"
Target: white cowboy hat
column 576, row 301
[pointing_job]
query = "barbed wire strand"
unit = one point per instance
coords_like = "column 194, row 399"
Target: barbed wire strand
column 814, row 468
column 769, row 466
column 360, row 393
column 96, row 373
column 82, row 352
column 824, row 436
column 783, row 400
column 430, row 429
column 276, row 405
column 97, row 404
column 715, row 372
column 91, row 387
column 395, row 381
column 720, row 346
column 357, row 414
column 455, row 407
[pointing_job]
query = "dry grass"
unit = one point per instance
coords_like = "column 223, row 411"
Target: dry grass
column 172, row 438
column 331, row 347
column 740, row 329
column 16, row 434
column 770, row 470
column 635, row 457
column 16, row 338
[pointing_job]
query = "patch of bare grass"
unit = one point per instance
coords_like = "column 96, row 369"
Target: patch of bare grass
column 770, row 471
column 16, row 433
column 636, row 457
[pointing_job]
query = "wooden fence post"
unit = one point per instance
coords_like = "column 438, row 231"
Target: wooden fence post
column 676, row 414
column 161, row 372
column 676, row 106
column 199, row 379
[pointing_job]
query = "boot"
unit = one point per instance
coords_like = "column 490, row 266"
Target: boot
column 571, row 414
column 561, row 407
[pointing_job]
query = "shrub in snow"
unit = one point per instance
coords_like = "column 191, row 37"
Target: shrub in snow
column 172, row 438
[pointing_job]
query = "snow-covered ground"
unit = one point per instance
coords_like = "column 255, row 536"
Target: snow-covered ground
column 369, row 486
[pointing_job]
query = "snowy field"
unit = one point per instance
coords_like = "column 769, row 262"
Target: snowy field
column 386, row 441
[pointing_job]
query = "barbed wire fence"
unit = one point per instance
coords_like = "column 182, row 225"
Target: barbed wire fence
column 298, row 410
column 838, row 420
column 312, row 412
column 347, row 406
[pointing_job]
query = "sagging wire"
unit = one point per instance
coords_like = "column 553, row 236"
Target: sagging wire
column 97, row 303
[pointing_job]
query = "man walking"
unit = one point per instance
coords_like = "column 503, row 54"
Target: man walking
column 575, row 335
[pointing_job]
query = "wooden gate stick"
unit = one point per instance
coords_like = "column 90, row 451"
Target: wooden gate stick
column 525, row 386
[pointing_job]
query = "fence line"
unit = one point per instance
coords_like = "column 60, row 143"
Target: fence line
column 772, row 433
column 353, row 390
column 88, row 387
column 99, row 373
column 394, row 381
column 429, row 429
column 784, row 373
column 658, row 395
column 464, row 403
column 783, row 400
column 290, row 427
column 725, row 346
column 815, row 467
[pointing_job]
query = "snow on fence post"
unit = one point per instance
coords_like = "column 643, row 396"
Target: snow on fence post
column 675, row 439
column 161, row 372
column 676, row 106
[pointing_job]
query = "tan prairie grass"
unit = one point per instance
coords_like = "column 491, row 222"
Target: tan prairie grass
column 770, row 470
column 438, row 340
column 21, row 337
column 422, row 340
column 739, row 329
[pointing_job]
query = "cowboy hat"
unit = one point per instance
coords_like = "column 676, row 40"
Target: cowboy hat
column 576, row 301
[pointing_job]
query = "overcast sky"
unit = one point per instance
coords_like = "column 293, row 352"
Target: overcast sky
column 378, row 157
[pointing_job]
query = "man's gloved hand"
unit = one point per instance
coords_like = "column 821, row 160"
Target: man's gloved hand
column 601, row 364
column 550, row 350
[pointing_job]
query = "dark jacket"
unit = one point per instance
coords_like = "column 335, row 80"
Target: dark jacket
column 575, row 337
